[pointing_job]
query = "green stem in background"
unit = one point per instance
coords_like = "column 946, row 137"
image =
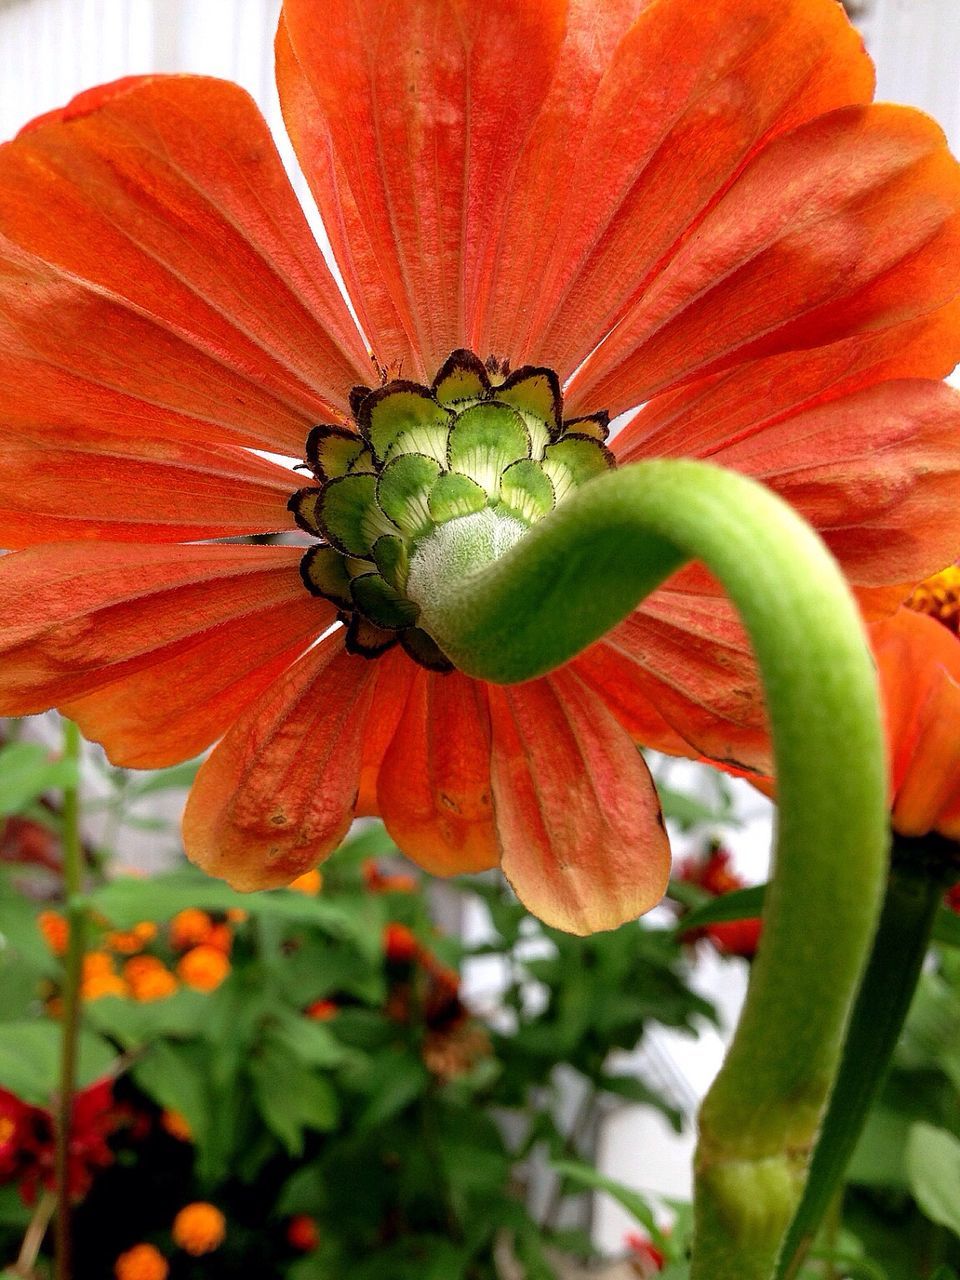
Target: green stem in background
column 33, row 1236
column 920, row 871
column 73, row 968
column 570, row 579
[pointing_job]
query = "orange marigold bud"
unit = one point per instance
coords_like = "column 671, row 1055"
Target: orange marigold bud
column 189, row 928
column 96, row 964
column 149, row 979
column 322, row 1010
column 129, row 941
column 142, row 1262
column 55, row 930
column 199, row 1228
column 98, row 985
column 203, row 968
column 310, row 882
column 221, row 937
column 303, row 1233
column 177, row 1125
column 399, row 944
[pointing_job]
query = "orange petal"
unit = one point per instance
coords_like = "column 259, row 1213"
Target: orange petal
column 647, row 123
column 919, row 666
column 183, row 224
column 279, row 792
column 686, row 656
column 434, row 790
column 876, row 474
column 74, row 618
column 577, row 814
column 721, row 410
column 395, row 674
column 84, row 484
column 849, row 223
column 404, row 121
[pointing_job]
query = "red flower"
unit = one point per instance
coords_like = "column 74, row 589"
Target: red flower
column 28, row 1140
column 716, row 875
column 705, row 219
column 399, row 944
column 645, row 1251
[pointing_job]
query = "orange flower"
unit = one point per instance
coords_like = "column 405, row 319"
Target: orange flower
column 142, row 1262
column 704, row 219
column 97, row 985
column 311, row 882
column 380, row 882
column 199, row 1228
column 716, row 875
column 399, row 944
column 129, row 941
column 189, row 928
column 55, row 930
column 918, row 658
column 203, row 968
column 322, row 1010
column 177, row 1125
column 149, row 979
column 303, row 1233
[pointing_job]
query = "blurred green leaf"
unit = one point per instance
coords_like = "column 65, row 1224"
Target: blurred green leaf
column 740, row 904
column 173, row 1077
column 27, row 770
column 30, row 1059
column 392, row 1082
column 946, row 928
column 290, row 1096
column 634, row 1203
column 689, row 811
column 179, row 777
column 133, row 1024
column 933, row 1167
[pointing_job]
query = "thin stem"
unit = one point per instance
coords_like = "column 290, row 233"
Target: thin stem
column 73, row 966
column 569, row 580
column 919, row 871
column 33, row 1236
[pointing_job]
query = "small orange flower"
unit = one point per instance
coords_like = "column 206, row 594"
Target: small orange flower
column 199, row 1228
column 237, row 915
column 203, row 968
column 55, row 930
column 103, row 984
column 322, row 1010
column 311, row 882
column 189, row 928
column 142, row 1262
column 97, row 963
column 149, row 979
column 303, row 1233
column 399, row 944
column 129, row 941
column 221, row 937
column 177, row 1125
column 378, row 881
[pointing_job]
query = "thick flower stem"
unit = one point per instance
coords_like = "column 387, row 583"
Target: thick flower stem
column 920, row 870
column 73, row 966
column 574, row 576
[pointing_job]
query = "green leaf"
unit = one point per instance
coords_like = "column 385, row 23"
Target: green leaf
column 688, row 811
column 179, row 777
column 933, row 1169
column 30, row 1060
column 393, row 1082
column 133, row 1024
column 634, row 1203
column 740, row 904
column 946, row 928
column 27, row 771
column 173, row 1077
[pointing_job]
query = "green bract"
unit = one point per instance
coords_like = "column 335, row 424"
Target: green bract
column 461, row 468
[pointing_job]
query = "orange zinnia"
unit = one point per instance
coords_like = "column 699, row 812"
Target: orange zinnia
column 703, row 217
column 918, row 658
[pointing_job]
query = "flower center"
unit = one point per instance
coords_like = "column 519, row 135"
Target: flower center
column 939, row 597
column 450, row 474
column 7, row 1130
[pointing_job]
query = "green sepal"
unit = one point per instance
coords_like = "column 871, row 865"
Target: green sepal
column 349, row 515
column 462, row 380
column 366, row 638
column 594, row 425
column 324, row 573
column 336, row 451
column 455, row 495
column 403, row 488
column 403, row 417
column 574, row 460
column 527, row 491
column 535, row 394
column 484, row 440
column 423, row 649
column 304, row 507
column 382, row 604
column 391, row 557
column 357, row 396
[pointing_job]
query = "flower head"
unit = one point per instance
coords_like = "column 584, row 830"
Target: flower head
column 203, row 967
column 303, row 1233
column 545, row 213
column 149, row 979
column 715, row 875
column 55, row 930
column 142, row 1262
column 199, row 1228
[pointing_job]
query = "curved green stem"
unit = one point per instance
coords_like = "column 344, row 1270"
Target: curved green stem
column 920, row 871
column 563, row 586
column 73, row 966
